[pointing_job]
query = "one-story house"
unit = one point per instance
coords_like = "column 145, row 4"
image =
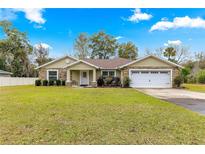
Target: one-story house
column 147, row 72
column 5, row 73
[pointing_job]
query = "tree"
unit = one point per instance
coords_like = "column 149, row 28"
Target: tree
column 41, row 54
column 175, row 53
column 102, row 46
column 184, row 73
column 182, row 53
column 157, row 52
column 81, row 46
column 15, row 49
column 200, row 58
column 128, row 50
column 170, row 53
column 2, row 61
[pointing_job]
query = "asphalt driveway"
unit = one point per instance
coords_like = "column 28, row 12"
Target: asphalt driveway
column 194, row 101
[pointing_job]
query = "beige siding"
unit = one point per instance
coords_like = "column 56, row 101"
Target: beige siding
column 98, row 74
column 150, row 62
column 61, row 63
column 118, row 73
column 75, row 76
column 81, row 66
column 90, row 76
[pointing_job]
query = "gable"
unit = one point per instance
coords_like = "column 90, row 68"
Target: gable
column 80, row 66
column 150, row 62
column 60, row 63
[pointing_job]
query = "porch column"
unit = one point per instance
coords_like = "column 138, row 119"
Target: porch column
column 94, row 83
column 121, row 76
column 94, row 75
column 68, row 81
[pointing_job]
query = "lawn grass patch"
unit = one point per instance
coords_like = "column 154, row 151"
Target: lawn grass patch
column 62, row 115
column 195, row 87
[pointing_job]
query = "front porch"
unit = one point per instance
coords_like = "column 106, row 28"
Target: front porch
column 81, row 77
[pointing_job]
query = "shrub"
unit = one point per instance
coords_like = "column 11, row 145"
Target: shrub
column 115, row 81
column 108, row 81
column 100, row 82
column 45, row 82
column 58, row 82
column 126, row 82
column 191, row 79
column 38, row 83
column 178, row 81
column 51, row 82
column 201, row 76
column 184, row 74
column 63, row 82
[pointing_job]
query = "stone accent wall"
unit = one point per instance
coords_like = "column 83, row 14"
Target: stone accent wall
column 43, row 73
column 62, row 74
column 175, row 71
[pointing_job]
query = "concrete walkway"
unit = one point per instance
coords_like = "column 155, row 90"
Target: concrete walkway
column 194, row 101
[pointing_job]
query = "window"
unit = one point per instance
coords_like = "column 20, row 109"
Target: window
column 144, row 72
column 154, row 72
column 135, row 72
column 108, row 73
column 112, row 73
column 164, row 72
column 52, row 75
column 84, row 74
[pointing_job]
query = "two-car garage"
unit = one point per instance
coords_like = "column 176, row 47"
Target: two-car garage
column 151, row 72
column 150, row 78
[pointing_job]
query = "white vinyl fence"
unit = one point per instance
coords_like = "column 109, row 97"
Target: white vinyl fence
column 14, row 81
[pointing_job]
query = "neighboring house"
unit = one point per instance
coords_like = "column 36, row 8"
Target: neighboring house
column 5, row 73
column 147, row 72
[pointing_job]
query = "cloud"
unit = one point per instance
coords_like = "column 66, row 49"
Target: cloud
column 138, row 16
column 179, row 22
column 33, row 15
column 119, row 37
column 44, row 45
column 173, row 43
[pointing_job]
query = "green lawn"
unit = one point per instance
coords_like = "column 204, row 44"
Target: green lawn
column 61, row 115
column 195, row 87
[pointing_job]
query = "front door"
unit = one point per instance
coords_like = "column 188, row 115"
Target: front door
column 84, row 77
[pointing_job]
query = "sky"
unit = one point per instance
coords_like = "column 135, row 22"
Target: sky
column 150, row 29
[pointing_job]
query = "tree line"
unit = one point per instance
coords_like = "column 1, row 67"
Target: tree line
column 103, row 46
column 18, row 56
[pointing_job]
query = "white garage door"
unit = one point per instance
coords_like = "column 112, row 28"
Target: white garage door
column 150, row 78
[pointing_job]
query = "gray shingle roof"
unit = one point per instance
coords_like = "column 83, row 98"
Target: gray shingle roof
column 108, row 63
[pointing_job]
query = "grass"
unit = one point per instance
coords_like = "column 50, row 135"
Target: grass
column 61, row 115
column 195, row 87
